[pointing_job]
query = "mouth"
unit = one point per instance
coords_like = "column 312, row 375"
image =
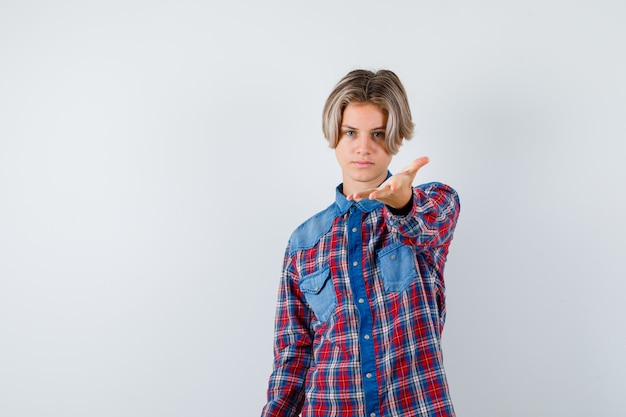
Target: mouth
column 362, row 164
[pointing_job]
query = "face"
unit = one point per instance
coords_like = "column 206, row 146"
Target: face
column 361, row 150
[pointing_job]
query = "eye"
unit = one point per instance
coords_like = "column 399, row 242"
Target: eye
column 349, row 132
column 378, row 135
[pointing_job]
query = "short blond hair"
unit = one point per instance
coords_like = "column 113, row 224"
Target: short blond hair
column 381, row 88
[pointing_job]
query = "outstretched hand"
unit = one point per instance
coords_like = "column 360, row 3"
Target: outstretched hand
column 397, row 190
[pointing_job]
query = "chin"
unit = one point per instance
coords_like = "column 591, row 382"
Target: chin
column 368, row 179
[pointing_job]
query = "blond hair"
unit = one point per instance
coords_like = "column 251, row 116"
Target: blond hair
column 381, row 88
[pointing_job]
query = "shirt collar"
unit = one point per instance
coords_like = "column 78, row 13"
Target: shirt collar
column 364, row 205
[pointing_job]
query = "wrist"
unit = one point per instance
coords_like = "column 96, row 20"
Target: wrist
column 404, row 210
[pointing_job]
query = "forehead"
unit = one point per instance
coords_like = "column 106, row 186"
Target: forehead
column 364, row 115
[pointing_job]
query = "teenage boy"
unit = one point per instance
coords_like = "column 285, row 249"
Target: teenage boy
column 361, row 302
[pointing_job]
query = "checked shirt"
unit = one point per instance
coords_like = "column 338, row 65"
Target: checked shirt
column 361, row 308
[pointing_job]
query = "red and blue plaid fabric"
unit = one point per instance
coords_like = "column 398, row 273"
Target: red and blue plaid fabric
column 360, row 311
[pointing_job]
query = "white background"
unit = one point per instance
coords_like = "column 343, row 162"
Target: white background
column 156, row 155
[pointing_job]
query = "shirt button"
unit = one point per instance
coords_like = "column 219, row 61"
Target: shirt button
column 355, row 263
column 368, row 375
column 354, row 229
column 361, row 301
column 366, row 337
column 393, row 257
column 373, row 415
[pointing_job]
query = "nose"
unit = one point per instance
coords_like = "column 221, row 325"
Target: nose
column 363, row 145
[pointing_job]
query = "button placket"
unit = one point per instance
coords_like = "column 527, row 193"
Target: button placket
column 357, row 284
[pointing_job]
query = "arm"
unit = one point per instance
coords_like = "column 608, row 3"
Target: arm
column 431, row 218
column 292, row 348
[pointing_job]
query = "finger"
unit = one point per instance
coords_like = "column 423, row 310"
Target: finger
column 416, row 165
column 360, row 195
column 381, row 192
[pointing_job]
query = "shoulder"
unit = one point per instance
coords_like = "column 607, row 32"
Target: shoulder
column 311, row 230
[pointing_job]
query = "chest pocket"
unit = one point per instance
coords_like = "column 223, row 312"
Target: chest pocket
column 319, row 292
column 397, row 267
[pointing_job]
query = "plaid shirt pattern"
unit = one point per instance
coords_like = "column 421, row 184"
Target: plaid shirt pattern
column 361, row 308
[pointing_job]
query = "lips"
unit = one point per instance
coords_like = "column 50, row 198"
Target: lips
column 362, row 164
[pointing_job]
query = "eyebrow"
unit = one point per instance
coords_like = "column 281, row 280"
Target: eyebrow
column 354, row 128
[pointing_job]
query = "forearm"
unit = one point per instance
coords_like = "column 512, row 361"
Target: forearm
column 431, row 219
column 292, row 351
column 285, row 393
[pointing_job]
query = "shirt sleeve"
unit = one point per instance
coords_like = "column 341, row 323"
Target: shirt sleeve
column 292, row 348
column 431, row 220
